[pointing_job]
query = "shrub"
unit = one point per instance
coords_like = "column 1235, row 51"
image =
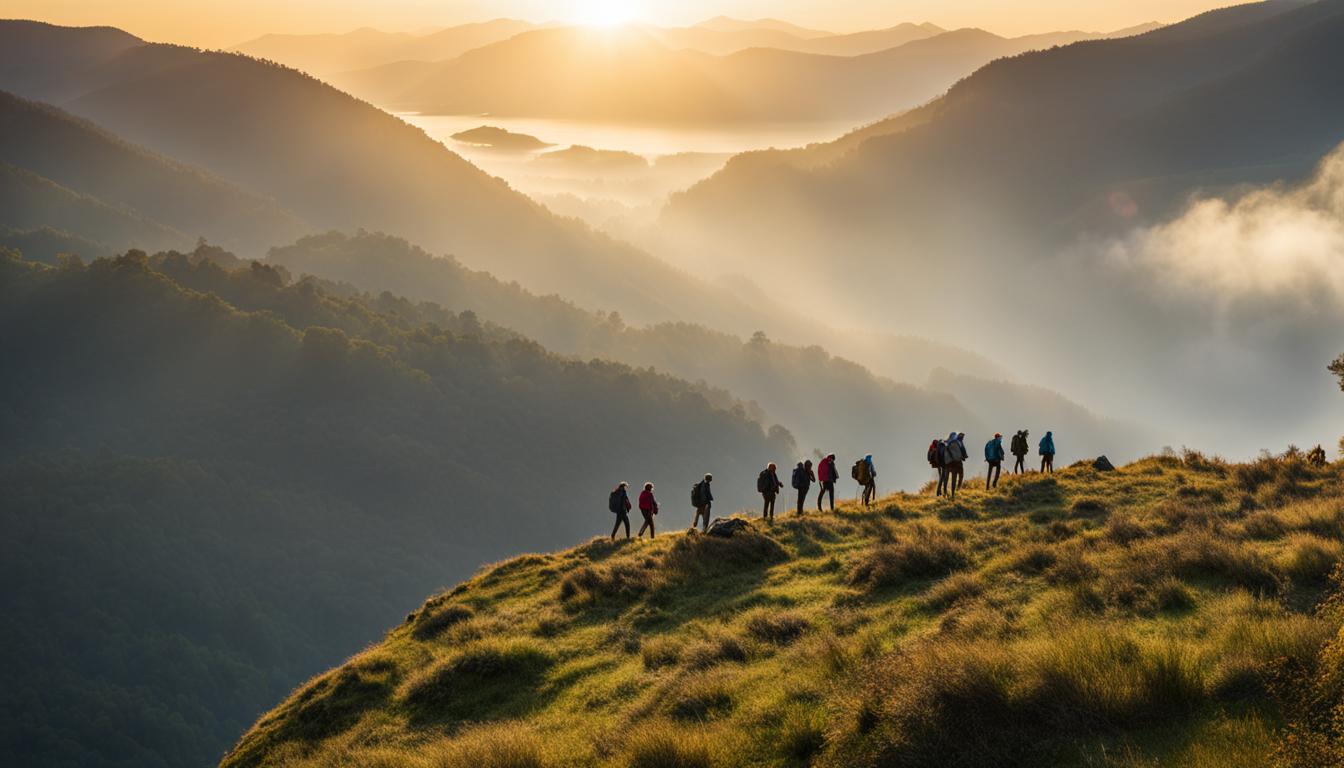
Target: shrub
column 695, row 555
column 1123, row 529
column 1033, row 559
column 780, row 628
column 700, row 697
column 717, row 648
column 922, row 554
column 1201, row 552
column 954, row 589
column 1071, row 567
column 492, row 745
column 1087, row 506
column 624, row 579
column 802, row 733
column 1263, row 525
column 482, row 674
column 660, row 744
column 1309, row 559
column 625, row 637
column 429, row 623
column 660, row 652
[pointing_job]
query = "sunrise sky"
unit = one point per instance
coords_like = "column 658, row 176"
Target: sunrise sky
column 222, row 23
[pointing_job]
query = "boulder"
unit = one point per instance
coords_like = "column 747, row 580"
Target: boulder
column 1103, row 464
column 728, row 528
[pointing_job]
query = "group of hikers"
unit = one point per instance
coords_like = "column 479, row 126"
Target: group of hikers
column 948, row 457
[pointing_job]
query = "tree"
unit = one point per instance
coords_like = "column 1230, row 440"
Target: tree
column 1337, row 368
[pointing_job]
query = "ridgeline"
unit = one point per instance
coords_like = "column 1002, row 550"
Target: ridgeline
column 1177, row 611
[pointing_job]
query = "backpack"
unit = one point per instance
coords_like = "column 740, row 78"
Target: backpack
column 765, row 483
column 798, row 478
column 861, row 472
column 935, row 454
column 698, row 495
column 614, row 503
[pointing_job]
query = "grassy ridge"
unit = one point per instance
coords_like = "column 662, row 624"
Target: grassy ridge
column 1165, row 613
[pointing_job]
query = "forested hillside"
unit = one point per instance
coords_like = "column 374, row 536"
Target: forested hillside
column 831, row 404
column 335, row 161
column 157, row 202
column 222, row 501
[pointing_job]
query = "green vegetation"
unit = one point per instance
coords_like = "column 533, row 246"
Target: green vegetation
column 1177, row 611
column 218, row 482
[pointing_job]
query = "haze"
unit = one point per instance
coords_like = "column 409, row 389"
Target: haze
column 221, row 23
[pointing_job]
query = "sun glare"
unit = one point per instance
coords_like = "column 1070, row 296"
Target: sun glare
column 605, row 13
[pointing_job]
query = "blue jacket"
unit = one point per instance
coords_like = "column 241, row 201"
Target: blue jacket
column 1048, row 444
column 994, row 449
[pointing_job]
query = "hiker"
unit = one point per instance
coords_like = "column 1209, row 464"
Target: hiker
column 1316, row 457
column 648, row 507
column 827, row 475
column 768, row 485
column 866, row 474
column 994, row 455
column 702, row 499
column 803, row 478
column 935, row 459
column 1047, row 449
column 1020, row 450
column 619, row 504
column 954, row 469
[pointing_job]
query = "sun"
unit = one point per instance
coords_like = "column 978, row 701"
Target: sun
column 605, row 13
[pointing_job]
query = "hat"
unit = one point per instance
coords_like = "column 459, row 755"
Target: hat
column 998, row 434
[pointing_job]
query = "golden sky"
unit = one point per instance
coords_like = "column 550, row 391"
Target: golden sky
column 222, row 23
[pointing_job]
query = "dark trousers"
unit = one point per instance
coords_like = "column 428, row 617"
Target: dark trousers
column 995, row 467
column 869, row 491
column 1047, row 462
column 802, row 498
column 826, row 487
column 648, row 524
column 622, row 518
column 701, row 512
column 768, row 511
column 942, row 480
column 955, row 472
column 1020, row 466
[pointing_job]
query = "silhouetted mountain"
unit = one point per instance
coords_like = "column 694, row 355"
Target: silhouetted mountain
column 166, row 195
column 729, row 24
column 328, row 55
column 338, row 162
column 228, row 487
column 870, row 41
column 638, row 75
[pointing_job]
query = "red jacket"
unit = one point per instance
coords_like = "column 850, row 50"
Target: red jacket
column 826, row 471
column 646, row 501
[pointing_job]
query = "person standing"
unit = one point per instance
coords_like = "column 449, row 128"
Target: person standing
column 953, row 465
column 994, row 455
column 768, row 485
column 1020, row 450
column 935, row 458
column 868, row 478
column 1047, row 448
column 803, row 478
column 827, row 475
column 619, row 504
column 648, row 507
column 702, row 498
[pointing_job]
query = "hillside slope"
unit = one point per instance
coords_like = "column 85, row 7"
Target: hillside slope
column 194, row 483
column 80, row 156
column 333, row 161
column 1146, row 616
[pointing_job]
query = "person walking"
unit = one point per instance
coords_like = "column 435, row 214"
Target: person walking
column 768, row 485
column 827, row 475
column 994, row 455
column 1020, row 448
column 648, row 507
column 867, row 477
column 619, row 504
column 1316, row 457
column 803, row 478
column 1047, row 449
column 702, row 498
column 935, row 459
column 954, row 467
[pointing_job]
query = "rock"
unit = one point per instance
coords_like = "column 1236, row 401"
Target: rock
column 1103, row 464
column 728, row 528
